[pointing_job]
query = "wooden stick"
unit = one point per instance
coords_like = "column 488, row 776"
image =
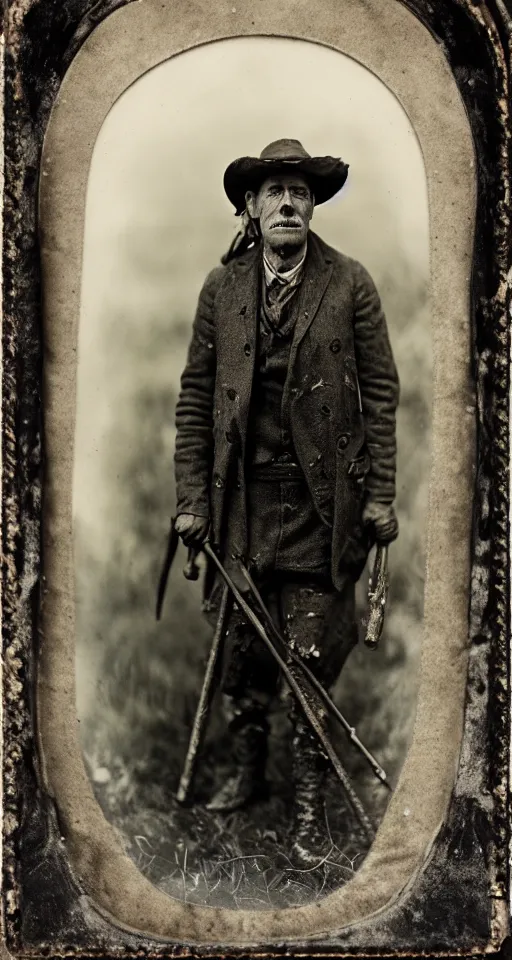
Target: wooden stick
column 309, row 712
column 205, row 700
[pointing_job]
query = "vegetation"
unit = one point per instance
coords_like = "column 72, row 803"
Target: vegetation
column 139, row 680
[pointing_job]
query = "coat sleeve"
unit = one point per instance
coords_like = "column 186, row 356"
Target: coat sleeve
column 193, row 457
column 378, row 384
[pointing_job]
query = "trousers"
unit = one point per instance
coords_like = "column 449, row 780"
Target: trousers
column 289, row 558
column 317, row 623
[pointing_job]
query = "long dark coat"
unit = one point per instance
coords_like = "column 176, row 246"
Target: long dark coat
column 342, row 387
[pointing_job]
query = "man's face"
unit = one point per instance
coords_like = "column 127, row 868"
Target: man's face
column 284, row 205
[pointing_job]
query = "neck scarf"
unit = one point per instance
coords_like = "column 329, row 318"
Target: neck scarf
column 278, row 290
column 285, row 277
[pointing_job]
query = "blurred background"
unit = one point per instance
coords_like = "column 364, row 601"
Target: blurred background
column 157, row 221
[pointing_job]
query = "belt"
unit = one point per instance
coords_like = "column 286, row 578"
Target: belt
column 275, row 471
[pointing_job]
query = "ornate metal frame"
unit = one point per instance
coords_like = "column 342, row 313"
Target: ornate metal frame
column 457, row 903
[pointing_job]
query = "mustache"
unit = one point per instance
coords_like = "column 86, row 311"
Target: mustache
column 286, row 223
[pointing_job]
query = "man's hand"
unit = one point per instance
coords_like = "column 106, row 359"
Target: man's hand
column 192, row 530
column 383, row 519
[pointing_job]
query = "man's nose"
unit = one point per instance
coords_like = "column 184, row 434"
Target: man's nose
column 287, row 208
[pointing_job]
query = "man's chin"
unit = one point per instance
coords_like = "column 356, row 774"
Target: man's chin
column 290, row 238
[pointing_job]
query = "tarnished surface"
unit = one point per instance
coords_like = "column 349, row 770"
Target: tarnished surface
column 447, row 908
column 130, row 42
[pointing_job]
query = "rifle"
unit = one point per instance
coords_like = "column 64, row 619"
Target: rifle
column 379, row 772
column 290, row 675
column 301, row 669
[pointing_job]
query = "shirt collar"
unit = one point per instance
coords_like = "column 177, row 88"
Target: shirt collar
column 284, row 277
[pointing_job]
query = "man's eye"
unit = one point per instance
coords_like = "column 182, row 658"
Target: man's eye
column 274, row 191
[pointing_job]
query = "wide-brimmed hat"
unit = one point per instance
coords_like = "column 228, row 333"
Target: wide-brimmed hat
column 325, row 175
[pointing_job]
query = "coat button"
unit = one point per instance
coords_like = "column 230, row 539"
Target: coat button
column 243, row 311
column 343, row 442
column 247, row 349
column 231, row 394
column 335, row 345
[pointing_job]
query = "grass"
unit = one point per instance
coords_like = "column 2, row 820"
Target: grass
column 239, row 860
column 143, row 678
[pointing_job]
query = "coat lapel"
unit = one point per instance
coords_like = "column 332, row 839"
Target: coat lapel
column 317, row 274
column 241, row 304
column 247, row 296
column 240, row 317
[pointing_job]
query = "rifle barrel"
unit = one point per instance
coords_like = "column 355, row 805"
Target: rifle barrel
column 379, row 772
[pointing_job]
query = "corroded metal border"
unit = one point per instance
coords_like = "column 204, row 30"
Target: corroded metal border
column 44, row 912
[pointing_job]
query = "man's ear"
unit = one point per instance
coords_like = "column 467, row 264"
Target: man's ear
column 250, row 203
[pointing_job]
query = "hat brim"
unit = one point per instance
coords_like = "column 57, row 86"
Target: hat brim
column 325, row 175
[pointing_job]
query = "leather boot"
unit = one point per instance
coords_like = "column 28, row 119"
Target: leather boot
column 309, row 832
column 247, row 783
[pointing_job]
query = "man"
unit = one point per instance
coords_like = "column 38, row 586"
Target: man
column 286, row 450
